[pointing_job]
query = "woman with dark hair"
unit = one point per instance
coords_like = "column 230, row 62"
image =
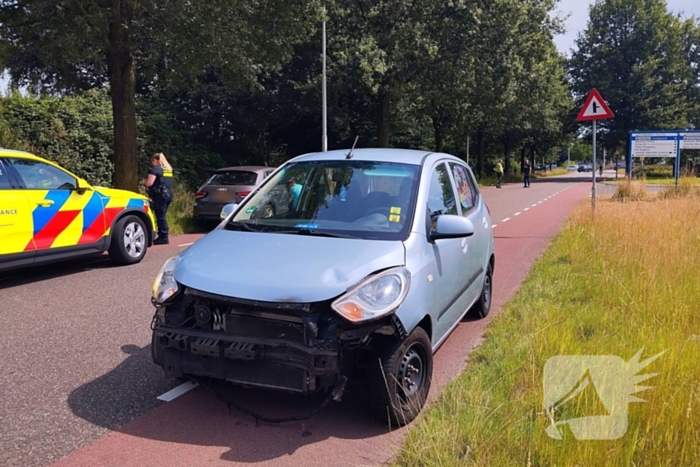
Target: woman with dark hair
column 160, row 190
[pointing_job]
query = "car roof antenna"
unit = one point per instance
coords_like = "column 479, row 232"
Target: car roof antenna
column 349, row 155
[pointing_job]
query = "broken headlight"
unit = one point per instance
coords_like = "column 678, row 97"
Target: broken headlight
column 375, row 297
column 165, row 285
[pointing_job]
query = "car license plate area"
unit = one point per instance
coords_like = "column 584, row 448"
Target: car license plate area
column 261, row 328
column 257, row 373
column 223, row 195
column 269, row 374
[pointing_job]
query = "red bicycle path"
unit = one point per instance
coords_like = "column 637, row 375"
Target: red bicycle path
column 199, row 429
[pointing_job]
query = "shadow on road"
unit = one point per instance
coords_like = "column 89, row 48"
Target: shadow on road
column 115, row 400
column 30, row 275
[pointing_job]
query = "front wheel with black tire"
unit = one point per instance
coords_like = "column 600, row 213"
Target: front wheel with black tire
column 399, row 378
column 129, row 240
column 483, row 305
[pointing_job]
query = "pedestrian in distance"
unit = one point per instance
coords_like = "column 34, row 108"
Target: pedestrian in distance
column 160, row 190
column 526, row 174
column 499, row 173
column 600, row 168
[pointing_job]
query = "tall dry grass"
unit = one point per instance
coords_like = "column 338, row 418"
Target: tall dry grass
column 631, row 190
column 626, row 279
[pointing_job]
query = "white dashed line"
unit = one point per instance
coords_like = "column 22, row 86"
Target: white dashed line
column 506, row 219
column 534, row 205
column 187, row 244
column 174, row 393
column 494, row 226
column 518, row 213
column 540, row 202
column 526, row 209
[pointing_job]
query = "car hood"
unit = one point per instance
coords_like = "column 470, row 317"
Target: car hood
column 116, row 193
column 282, row 267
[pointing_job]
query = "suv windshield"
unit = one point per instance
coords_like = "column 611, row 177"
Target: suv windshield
column 237, row 177
column 346, row 198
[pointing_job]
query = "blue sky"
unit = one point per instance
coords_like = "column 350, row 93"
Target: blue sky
column 577, row 12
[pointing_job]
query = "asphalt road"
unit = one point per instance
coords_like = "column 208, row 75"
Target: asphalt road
column 77, row 384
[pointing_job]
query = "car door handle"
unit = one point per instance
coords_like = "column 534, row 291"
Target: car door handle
column 45, row 203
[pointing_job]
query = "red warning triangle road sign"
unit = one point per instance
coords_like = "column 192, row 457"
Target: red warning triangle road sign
column 594, row 108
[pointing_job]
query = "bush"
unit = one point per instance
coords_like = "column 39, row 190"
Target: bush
column 159, row 132
column 75, row 132
column 653, row 171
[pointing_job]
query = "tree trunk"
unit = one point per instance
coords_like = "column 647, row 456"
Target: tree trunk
column 122, row 80
column 383, row 120
column 522, row 158
column 506, row 157
column 480, row 140
column 439, row 136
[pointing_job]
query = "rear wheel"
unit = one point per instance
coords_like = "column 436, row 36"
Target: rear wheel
column 399, row 378
column 129, row 240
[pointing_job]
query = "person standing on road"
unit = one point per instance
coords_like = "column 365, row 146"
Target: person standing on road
column 499, row 173
column 600, row 168
column 160, row 190
column 526, row 174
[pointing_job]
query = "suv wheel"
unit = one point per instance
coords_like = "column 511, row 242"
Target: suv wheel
column 129, row 240
column 399, row 378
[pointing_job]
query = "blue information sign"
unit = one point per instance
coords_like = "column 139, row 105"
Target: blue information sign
column 660, row 143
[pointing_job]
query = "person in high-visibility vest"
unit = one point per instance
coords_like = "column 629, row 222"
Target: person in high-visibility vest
column 499, row 173
column 48, row 180
column 160, row 190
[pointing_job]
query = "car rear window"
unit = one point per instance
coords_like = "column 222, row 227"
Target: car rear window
column 237, row 177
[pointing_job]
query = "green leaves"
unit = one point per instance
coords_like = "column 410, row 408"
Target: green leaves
column 643, row 60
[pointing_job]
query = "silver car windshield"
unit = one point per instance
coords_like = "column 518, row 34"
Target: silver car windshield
column 344, row 198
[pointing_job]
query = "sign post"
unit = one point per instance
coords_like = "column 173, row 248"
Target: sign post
column 661, row 144
column 594, row 108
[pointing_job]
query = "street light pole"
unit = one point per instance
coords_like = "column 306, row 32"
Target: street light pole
column 594, row 151
column 324, row 138
column 467, row 150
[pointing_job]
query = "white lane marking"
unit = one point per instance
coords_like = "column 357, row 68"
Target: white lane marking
column 187, row 244
column 174, row 393
column 540, row 202
column 505, row 220
column 526, row 209
column 494, row 226
column 534, row 205
column 518, row 213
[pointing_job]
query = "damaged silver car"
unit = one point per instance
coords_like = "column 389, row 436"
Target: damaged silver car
column 376, row 259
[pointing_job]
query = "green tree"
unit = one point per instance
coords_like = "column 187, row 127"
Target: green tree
column 640, row 57
column 73, row 45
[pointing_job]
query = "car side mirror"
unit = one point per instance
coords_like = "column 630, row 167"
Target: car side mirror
column 228, row 209
column 83, row 186
column 451, row 226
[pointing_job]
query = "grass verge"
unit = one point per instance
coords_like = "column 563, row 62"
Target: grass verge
column 654, row 181
column 610, row 284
